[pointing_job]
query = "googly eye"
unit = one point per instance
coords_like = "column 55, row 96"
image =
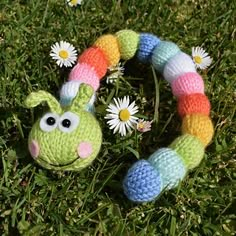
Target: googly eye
column 68, row 122
column 49, row 122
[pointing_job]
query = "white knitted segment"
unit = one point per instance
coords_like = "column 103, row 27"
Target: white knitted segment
column 70, row 89
column 179, row 64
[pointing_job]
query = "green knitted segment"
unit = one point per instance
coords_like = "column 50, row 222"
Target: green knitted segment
column 36, row 98
column 190, row 149
column 128, row 41
column 58, row 150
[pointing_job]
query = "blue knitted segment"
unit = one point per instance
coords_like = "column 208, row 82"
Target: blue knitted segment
column 142, row 182
column 170, row 166
column 66, row 101
column 162, row 53
column 147, row 42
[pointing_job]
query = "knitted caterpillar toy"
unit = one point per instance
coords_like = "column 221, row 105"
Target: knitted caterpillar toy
column 68, row 137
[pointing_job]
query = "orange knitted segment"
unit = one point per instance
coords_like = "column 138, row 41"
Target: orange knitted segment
column 95, row 57
column 200, row 126
column 193, row 103
column 109, row 44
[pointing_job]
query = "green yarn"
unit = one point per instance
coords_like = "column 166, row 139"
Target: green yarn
column 82, row 98
column 128, row 41
column 190, row 149
column 59, row 148
column 35, row 98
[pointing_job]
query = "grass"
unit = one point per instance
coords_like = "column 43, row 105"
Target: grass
column 35, row 201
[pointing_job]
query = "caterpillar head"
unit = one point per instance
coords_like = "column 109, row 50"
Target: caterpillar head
column 64, row 138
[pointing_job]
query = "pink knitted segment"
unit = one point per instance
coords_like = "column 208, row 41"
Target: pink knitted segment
column 84, row 73
column 188, row 83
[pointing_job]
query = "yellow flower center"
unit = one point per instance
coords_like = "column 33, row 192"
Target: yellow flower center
column 197, row 59
column 73, row 2
column 140, row 125
column 63, row 54
column 124, row 115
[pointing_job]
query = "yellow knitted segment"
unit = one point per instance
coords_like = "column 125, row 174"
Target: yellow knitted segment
column 200, row 126
column 128, row 41
column 109, row 45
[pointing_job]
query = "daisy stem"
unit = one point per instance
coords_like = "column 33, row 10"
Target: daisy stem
column 18, row 125
column 157, row 99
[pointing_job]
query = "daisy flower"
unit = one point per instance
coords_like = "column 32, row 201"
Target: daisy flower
column 120, row 115
column 115, row 72
column 143, row 126
column 201, row 58
column 64, row 53
column 74, row 3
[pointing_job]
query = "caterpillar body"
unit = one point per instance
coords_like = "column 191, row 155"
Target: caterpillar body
column 68, row 137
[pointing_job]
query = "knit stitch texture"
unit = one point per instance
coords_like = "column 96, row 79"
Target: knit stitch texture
column 109, row 45
column 162, row 54
column 178, row 65
column 128, row 43
column 54, row 146
column 170, row 166
column 147, row 43
column 85, row 73
column 53, row 154
column 200, row 126
column 36, row 98
column 96, row 58
column 142, row 182
column 188, row 83
column 190, row 149
column 193, row 103
column 68, row 137
column 69, row 91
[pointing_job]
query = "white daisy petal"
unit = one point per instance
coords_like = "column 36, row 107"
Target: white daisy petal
column 201, row 58
column 63, row 53
column 113, row 122
column 133, row 111
column 132, row 105
column 112, row 108
column 117, row 103
column 133, row 118
column 117, row 128
column 128, row 125
column 122, row 129
column 120, row 115
column 112, row 116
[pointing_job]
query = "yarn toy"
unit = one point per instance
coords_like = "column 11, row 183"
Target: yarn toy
column 68, row 137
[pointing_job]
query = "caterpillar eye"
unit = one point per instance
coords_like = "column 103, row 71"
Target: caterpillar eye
column 68, row 122
column 49, row 122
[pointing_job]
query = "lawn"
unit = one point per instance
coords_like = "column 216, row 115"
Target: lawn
column 36, row 201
